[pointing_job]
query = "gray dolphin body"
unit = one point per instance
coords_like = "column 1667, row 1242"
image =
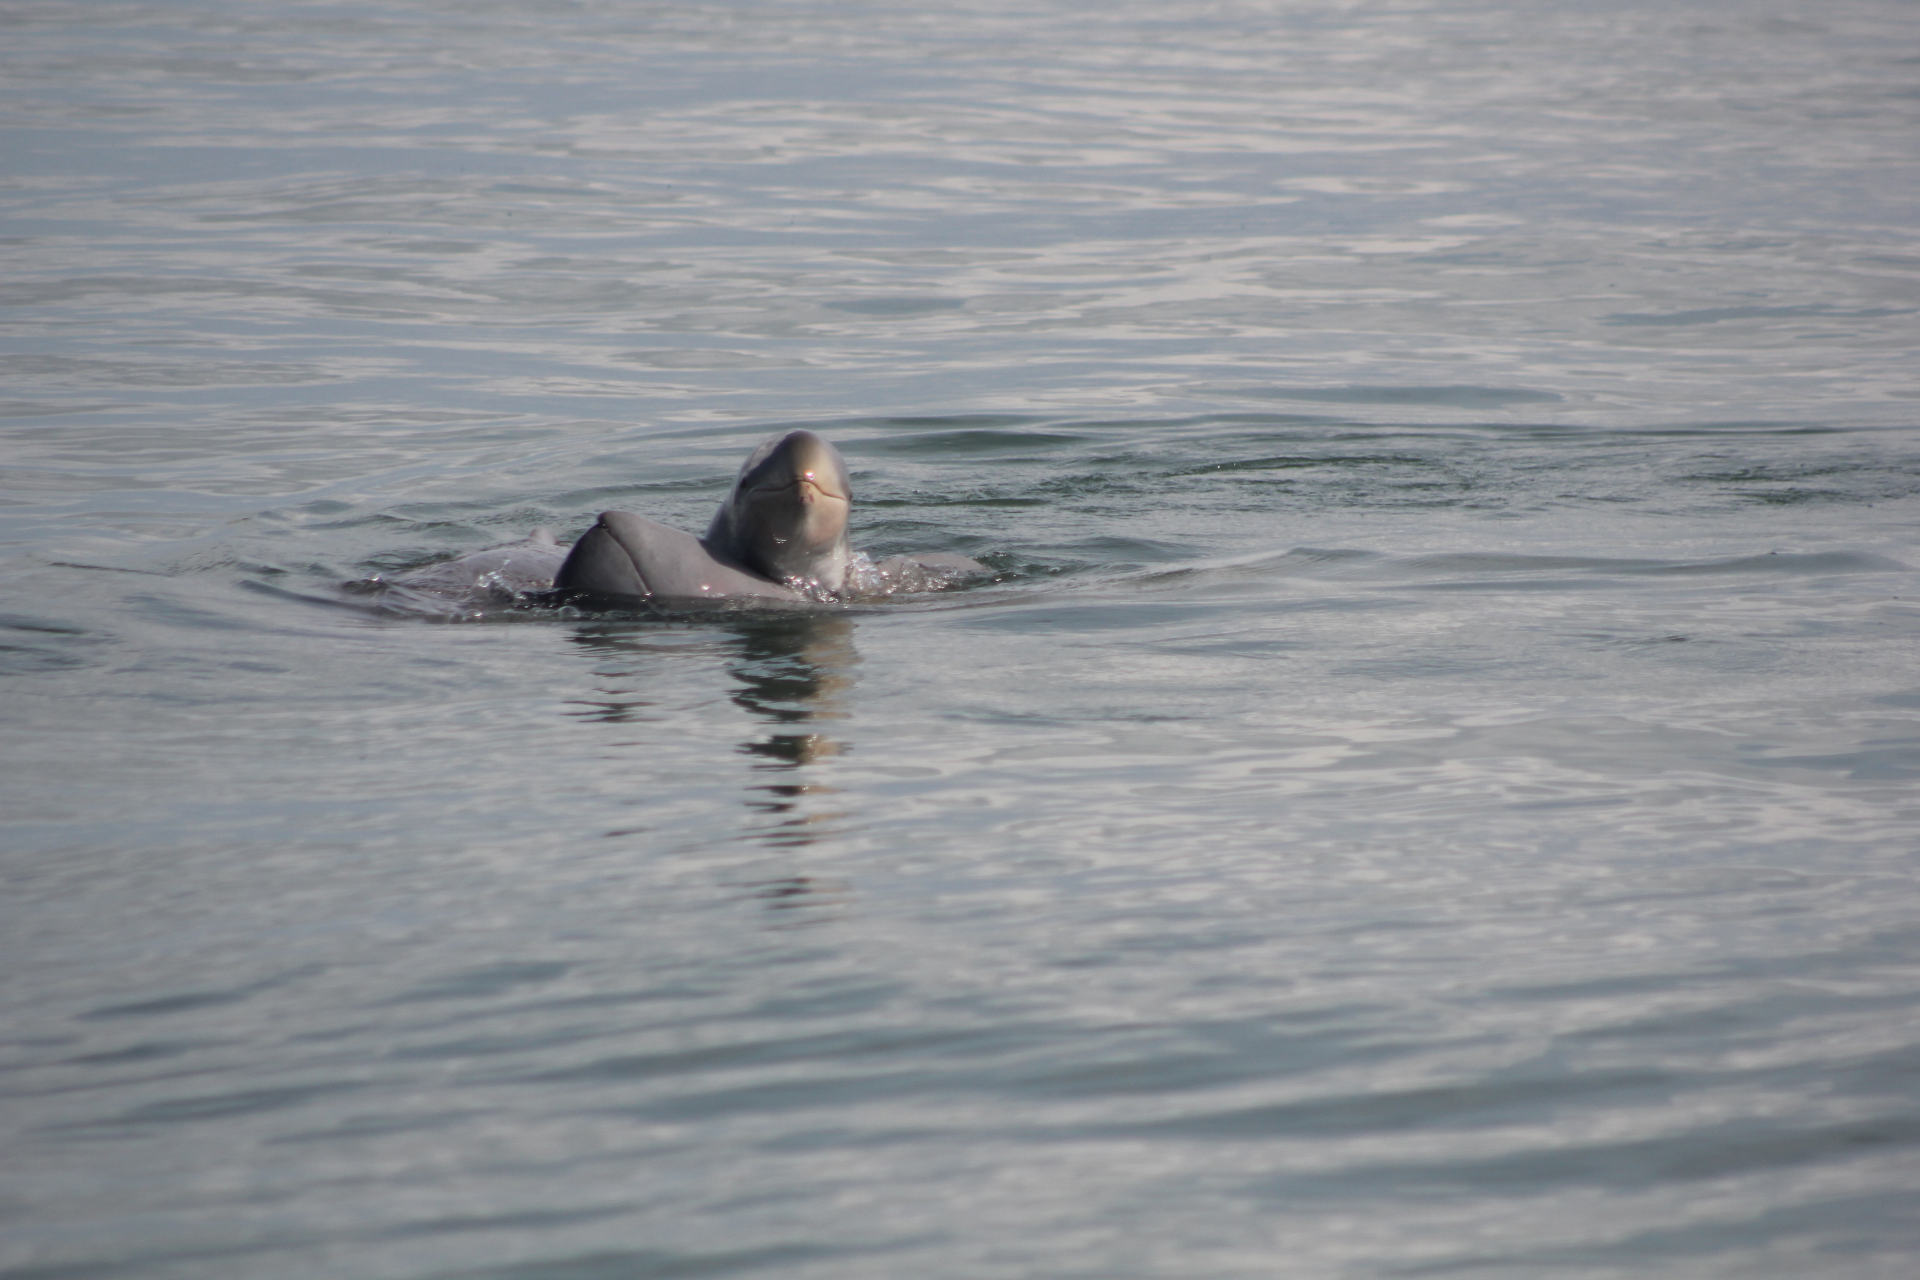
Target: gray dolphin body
column 495, row 575
column 781, row 534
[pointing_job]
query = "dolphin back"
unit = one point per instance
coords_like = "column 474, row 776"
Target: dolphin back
column 628, row 555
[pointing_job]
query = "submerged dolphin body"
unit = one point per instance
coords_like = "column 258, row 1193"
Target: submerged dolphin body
column 513, row 571
column 781, row 534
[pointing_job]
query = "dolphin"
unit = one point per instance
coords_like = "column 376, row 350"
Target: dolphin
column 517, row 571
column 781, row 534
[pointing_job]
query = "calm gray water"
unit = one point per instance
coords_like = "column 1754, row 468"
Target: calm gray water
column 1431, row 789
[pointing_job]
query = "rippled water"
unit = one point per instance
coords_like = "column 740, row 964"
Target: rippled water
column 1430, row 788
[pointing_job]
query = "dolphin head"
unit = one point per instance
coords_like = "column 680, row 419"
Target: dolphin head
column 787, row 515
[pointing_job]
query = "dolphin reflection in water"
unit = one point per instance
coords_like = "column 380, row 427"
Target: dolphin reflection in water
column 793, row 673
column 779, row 536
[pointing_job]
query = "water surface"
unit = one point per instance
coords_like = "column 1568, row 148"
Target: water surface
column 1430, row 788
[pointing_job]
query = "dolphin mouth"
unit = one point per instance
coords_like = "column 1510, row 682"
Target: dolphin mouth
column 809, row 484
column 807, row 488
